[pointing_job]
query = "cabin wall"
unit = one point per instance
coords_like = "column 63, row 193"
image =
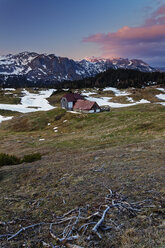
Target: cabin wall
column 70, row 105
column 65, row 104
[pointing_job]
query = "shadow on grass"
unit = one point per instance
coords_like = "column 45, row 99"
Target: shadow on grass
column 1, row 176
column 4, row 174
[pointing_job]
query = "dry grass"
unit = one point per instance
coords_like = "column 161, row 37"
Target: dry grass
column 148, row 93
column 36, row 191
column 100, row 93
column 55, row 98
column 10, row 97
column 128, row 144
column 120, row 99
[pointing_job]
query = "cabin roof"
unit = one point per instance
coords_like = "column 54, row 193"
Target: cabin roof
column 84, row 104
column 73, row 97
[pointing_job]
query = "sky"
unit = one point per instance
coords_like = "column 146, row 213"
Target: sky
column 85, row 28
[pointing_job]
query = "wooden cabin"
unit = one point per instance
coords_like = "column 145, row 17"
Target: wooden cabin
column 68, row 100
column 86, row 106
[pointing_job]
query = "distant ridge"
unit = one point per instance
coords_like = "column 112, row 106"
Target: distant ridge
column 49, row 67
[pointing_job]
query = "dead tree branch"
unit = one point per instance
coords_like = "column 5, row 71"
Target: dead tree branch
column 24, row 229
column 77, row 222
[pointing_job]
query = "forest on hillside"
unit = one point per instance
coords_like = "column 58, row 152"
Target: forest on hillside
column 119, row 78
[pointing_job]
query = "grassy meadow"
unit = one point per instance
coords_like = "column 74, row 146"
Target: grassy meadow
column 82, row 155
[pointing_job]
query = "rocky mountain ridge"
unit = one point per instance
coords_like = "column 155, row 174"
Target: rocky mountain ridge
column 49, row 67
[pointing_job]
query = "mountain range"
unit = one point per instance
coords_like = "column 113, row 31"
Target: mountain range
column 49, row 67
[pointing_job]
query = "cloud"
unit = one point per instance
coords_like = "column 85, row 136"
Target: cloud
column 146, row 41
column 157, row 17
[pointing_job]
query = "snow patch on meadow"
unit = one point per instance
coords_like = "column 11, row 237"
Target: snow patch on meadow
column 31, row 102
column 106, row 100
column 3, row 118
column 9, row 89
column 116, row 91
column 161, row 89
column 161, row 96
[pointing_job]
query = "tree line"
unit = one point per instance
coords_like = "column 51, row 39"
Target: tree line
column 120, row 78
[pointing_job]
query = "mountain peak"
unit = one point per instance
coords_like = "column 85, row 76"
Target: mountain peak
column 49, row 67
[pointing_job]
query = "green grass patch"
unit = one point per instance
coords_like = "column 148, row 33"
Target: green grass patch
column 6, row 159
column 34, row 121
column 29, row 158
column 118, row 127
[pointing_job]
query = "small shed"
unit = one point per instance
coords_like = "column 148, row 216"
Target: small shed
column 105, row 108
column 86, row 106
column 69, row 99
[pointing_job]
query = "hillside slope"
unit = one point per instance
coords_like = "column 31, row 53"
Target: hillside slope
column 121, row 150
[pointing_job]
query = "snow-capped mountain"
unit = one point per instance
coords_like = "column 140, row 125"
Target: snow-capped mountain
column 50, row 67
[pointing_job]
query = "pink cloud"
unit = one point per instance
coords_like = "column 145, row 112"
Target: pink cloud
column 157, row 17
column 147, row 41
column 160, row 10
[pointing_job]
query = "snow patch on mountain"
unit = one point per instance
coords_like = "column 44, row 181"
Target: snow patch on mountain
column 50, row 67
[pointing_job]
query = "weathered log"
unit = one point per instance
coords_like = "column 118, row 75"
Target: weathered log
column 24, row 229
column 99, row 223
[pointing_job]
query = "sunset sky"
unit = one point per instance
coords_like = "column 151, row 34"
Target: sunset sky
column 85, row 28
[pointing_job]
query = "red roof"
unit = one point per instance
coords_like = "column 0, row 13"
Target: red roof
column 84, row 105
column 73, row 97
